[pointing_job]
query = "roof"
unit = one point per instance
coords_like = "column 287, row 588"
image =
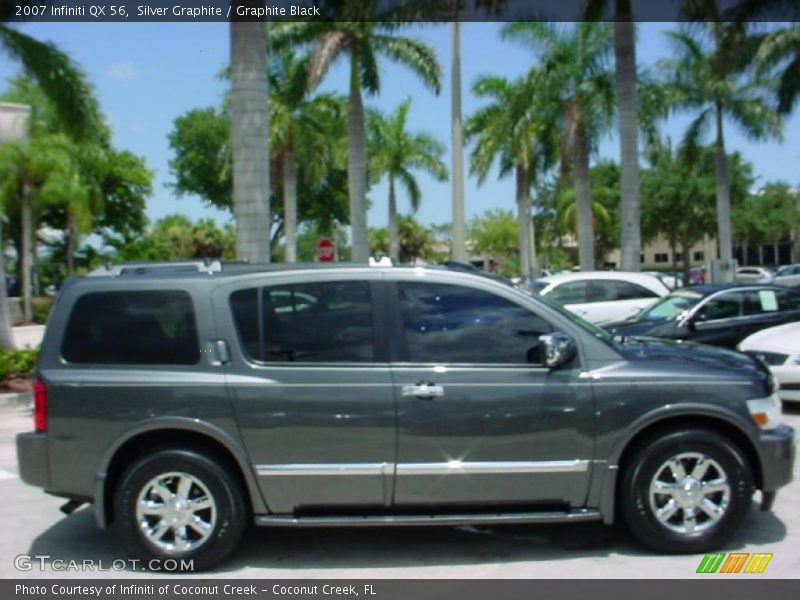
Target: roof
column 645, row 279
column 706, row 289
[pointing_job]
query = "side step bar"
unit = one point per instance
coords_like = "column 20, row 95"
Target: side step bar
column 582, row 514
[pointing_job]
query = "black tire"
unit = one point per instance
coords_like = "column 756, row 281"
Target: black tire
column 646, row 463
column 229, row 508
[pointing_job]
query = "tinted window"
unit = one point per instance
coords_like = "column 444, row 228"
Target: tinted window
column 147, row 328
column 625, row 290
column 724, row 306
column 573, row 292
column 453, row 324
column 310, row 322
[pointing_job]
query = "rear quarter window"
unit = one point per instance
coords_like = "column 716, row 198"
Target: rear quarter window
column 154, row 327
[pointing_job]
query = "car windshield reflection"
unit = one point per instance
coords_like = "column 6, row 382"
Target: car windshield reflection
column 671, row 307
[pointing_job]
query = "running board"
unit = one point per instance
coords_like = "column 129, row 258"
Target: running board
column 582, row 514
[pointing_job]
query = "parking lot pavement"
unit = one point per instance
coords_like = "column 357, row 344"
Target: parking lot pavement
column 32, row 524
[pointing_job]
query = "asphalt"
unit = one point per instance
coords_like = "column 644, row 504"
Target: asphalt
column 32, row 524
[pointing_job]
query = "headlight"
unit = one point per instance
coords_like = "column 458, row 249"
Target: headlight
column 766, row 412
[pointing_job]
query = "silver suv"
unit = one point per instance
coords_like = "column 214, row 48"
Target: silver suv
column 185, row 400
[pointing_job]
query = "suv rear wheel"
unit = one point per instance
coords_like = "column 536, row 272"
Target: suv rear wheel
column 179, row 504
column 686, row 491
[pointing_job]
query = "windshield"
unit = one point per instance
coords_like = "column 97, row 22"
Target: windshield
column 670, row 307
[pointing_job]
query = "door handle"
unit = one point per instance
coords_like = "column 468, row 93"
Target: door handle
column 423, row 390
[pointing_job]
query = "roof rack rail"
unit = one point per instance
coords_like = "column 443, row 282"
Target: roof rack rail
column 149, row 266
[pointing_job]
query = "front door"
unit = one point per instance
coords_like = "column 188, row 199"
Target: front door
column 481, row 423
column 311, row 391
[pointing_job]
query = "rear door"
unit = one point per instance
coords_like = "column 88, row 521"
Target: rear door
column 311, row 389
column 482, row 424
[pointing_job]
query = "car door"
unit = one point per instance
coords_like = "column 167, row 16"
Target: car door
column 618, row 300
column 720, row 320
column 311, row 388
column 481, row 422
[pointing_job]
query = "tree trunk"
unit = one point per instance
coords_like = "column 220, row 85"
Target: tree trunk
column 459, row 248
column 394, row 236
column 290, row 205
column 723, row 204
column 524, row 223
column 687, row 260
column 6, row 333
column 27, row 242
column 357, row 166
column 250, row 140
column 630, row 217
column 583, row 202
column 72, row 233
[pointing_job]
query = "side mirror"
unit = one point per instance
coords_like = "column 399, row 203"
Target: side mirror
column 557, row 349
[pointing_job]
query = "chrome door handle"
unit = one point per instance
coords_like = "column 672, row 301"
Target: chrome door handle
column 423, row 391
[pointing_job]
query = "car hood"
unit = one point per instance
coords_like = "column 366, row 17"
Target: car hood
column 688, row 357
column 667, row 329
column 783, row 338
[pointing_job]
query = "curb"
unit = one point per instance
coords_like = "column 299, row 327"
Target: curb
column 16, row 400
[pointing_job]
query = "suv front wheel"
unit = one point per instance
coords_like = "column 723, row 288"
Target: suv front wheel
column 179, row 504
column 686, row 491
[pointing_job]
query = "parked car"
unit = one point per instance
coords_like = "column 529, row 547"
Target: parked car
column 602, row 296
column 671, row 280
column 754, row 275
column 779, row 348
column 721, row 315
column 185, row 406
column 697, row 276
column 788, row 275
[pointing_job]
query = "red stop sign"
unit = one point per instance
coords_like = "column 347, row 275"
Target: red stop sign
column 326, row 251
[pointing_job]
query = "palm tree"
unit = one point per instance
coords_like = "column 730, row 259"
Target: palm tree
column 715, row 83
column 780, row 50
column 518, row 128
column 35, row 174
column 67, row 88
column 250, row 140
column 459, row 236
column 362, row 42
column 395, row 152
column 574, row 61
column 628, row 106
column 297, row 124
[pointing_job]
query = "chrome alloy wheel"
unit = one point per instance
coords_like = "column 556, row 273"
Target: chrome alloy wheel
column 689, row 493
column 176, row 512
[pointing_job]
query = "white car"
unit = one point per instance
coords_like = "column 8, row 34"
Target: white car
column 754, row 275
column 788, row 275
column 779, row 348
column 602, row 296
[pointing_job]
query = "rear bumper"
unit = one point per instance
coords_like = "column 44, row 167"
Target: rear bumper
column 32, row 458
column 777, row 457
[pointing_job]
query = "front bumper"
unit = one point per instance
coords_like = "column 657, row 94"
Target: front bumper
column 777, row 451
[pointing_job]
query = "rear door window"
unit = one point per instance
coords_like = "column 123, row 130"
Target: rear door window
column 310, row 322
column 154, row 327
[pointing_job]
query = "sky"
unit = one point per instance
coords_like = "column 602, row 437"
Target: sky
column 148, row 74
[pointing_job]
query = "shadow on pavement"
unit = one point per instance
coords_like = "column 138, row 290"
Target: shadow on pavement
column 76, row 538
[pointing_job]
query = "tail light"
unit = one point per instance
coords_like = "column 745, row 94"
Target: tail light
column 39, row 405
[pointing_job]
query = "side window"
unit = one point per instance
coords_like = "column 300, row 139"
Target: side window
column 132, row 328
column 309, row 322
column 724, row 306
column 572, row 292
column 788, row 301
column 453, row 324
column 625, row 290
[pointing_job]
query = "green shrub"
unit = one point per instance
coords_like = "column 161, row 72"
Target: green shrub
column 41, row 306
column 17, row 362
